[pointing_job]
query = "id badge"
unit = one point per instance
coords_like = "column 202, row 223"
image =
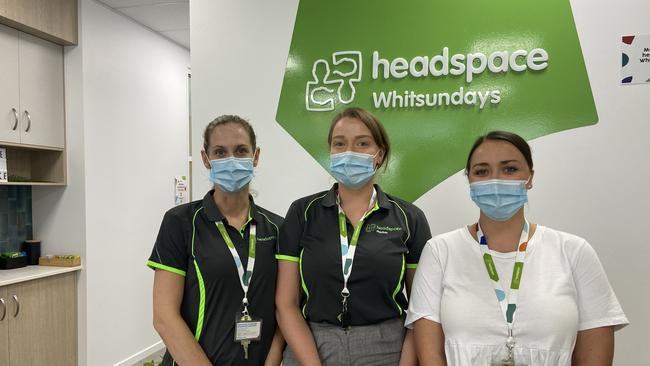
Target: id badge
column 498, row 361
column 247, row 328
column 502, row 363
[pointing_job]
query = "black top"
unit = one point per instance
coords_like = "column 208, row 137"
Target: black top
column 189, row 244
column 390, row 241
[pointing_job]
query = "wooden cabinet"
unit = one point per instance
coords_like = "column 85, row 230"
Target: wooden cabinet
column 40, row 327
column 31, row 92
column 4, row 328
column 54, row 20
column 9, row 86
column 32, row 115
column 41, row 92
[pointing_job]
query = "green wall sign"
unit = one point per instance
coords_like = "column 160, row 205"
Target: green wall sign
column 437, row 74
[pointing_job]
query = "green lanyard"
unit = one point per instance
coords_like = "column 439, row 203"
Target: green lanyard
column 507, row 302
column 244, row 277
column 348, row 250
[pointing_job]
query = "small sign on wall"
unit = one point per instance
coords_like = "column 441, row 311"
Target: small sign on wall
column 635, row 58
column 181, row 191
column 3, row 164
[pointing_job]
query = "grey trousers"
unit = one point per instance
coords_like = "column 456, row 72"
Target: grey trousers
column 371, row 345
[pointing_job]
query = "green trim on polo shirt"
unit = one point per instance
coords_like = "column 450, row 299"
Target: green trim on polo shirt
column 304, row 287
column 155, row 265
column 312, row 201
column 399, row 285
column 406, row 218
column 287, row 258
column 277, row 229
column 194, row 227
column 199, row 323
column 243, row 227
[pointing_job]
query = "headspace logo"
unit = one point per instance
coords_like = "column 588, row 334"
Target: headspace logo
column 437, row 74
column 335, row 83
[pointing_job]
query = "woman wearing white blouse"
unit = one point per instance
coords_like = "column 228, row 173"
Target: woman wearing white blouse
column 503, row 291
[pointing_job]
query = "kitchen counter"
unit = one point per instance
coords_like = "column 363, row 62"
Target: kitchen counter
column 17, row 275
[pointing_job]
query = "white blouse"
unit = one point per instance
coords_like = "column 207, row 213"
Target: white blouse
column 563, row 290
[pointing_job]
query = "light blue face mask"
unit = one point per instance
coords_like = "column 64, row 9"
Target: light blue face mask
column 352, row 169
column 231, row 174
column 499, row 199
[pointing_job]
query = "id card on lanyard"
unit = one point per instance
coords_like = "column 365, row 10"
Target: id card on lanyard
column 348, row 250
column 247, row 328
column 507, row 301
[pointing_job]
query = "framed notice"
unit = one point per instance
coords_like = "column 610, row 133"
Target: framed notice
column 635, row 58
column 181, row 190
column 3, row 164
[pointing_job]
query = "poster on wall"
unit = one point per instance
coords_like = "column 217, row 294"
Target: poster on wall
column 181, row 190
column 437, row 74
column 635, row 59
column 3, row 165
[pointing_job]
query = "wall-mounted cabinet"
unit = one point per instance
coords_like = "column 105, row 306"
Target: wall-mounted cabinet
column 54, row 20
column 31, row 92
column 32, row 116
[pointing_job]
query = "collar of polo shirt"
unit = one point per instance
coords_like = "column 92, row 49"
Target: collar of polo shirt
column 213, row 214
column 330, row 198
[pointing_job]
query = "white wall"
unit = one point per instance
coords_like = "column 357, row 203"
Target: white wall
column 127, row 136
column 135, row 109
column 589, row 181
column 59, row 213
column 239, row 51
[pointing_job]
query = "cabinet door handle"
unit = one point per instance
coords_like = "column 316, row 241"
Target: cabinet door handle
column 29, row 120
column 4, row 309
column 17, row 306
column 15, row 119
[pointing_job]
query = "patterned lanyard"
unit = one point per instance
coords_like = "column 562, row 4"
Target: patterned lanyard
column 244, row 277
column 507, row 302
column 348, row 249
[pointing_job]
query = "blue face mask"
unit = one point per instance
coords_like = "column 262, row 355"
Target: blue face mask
column 231, row 174
column 499, row 199
column 352, row 169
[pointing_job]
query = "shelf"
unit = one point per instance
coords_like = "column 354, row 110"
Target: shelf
column 35, row 166
column 28, row 147
column 32, row 184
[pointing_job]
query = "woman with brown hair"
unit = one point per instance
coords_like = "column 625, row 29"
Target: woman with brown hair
column 504, row 291
column 214, row 286
column 345, row 256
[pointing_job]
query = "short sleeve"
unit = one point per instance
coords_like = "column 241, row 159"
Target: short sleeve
column 289, row 247
column 426, row 290
column 597, row 303
column 419, row 235
column 170, row 251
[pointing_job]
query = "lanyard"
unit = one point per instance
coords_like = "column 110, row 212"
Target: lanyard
column 244, row 277
column 348, row 249
column 507, row 302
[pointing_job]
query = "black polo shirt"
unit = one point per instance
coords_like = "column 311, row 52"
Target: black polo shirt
column 390, row 241
column 189, row 244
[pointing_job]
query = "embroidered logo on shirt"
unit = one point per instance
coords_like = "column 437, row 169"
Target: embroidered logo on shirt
column 265, row 238
column 382, row 229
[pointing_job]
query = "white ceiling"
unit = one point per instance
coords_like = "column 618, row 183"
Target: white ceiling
column 169, row 18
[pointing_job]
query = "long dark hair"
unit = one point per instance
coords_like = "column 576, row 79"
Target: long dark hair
column 516, row 140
